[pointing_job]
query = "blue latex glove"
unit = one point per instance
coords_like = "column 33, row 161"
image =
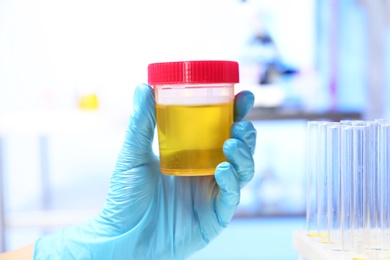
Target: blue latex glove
column 148, row 215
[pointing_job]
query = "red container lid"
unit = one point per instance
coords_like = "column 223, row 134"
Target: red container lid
column 190, row 72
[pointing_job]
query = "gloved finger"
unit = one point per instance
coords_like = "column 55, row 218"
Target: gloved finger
column 243, row 103
column 240, row 156
column 246, row 132
column 229, row 192
column 137, row 147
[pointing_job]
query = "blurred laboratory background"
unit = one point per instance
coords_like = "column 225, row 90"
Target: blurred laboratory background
column 68, row 70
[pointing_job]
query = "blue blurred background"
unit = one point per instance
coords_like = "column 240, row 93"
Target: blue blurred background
column 68, row 70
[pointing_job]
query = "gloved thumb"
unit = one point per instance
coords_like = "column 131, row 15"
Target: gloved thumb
column 133, row 175
column 137, row 147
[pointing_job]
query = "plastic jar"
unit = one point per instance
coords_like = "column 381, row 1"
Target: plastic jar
column 194, row 113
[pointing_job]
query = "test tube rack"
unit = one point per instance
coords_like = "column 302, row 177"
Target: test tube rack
column 348, row 191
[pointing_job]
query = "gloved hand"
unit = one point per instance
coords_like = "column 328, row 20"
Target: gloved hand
column 148, row 215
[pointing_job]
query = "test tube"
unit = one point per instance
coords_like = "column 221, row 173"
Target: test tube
column 360, row 185
column 373, row 184
column 322, row 182
column 334, row 178
column 346, row 209
column 311, row 178
column 384, row 169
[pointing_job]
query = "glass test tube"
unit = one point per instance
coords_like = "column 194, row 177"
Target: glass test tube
column 322, row 182
column 346, row 209
column 334, row 178
column 311, row 178
column 360, row 190
column 384, row 169
column 373, row 187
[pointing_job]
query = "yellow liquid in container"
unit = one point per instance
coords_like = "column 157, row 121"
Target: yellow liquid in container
column 191, row 137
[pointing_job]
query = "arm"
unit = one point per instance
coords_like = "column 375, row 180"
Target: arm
column 191, row 210
column 19, row 254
